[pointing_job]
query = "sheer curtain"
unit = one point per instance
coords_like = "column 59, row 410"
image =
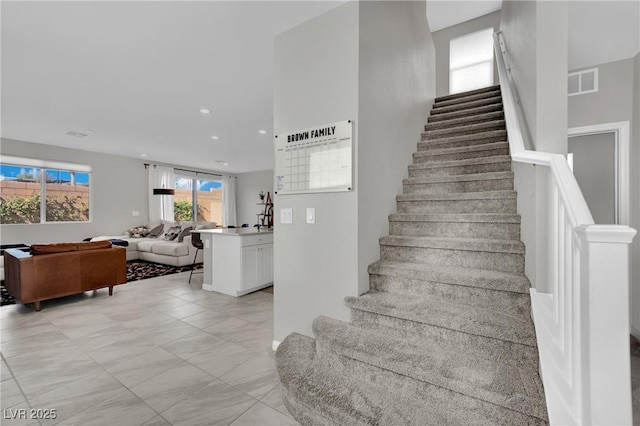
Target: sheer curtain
column 228, row 200
column 160, row 206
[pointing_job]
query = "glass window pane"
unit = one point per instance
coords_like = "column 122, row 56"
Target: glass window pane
column 588, row 81
column 19, row 194
column 183, row 198
column 471, row 49
column 573, row 83
column 67, row 196
column 209, row 199
column 471, row 77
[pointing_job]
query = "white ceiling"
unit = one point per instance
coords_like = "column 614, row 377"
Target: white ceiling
column 137, row 73
column 446, row 13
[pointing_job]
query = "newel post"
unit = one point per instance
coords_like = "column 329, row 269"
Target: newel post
column 604, row 307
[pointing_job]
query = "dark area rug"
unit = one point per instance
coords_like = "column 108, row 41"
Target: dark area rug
column 136, row 270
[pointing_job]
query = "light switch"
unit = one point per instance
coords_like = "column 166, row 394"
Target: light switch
column 206, row 243
column 311, row 215
column 135, row 213
column 286, row 216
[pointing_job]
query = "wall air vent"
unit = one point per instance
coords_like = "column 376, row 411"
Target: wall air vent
column 582, row 82
column 76, row 134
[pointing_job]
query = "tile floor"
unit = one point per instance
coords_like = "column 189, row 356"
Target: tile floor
column 158, row 352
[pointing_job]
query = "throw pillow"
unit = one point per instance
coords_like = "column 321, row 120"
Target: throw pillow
column 185, row 232
column 156, row 232
column 172, row 233
column 138, row 232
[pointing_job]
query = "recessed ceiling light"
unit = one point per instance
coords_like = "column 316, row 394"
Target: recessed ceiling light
column 224, row 163
column 262, row 132
column 205, row 111
column 215, row 138
column 143, row 155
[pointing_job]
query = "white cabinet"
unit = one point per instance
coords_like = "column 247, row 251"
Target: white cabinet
column 237, row 262
column 257, row 266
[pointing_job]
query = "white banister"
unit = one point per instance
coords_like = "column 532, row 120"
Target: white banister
column 580, row 305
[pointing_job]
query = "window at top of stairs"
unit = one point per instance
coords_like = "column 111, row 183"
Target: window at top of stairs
column 471, row 61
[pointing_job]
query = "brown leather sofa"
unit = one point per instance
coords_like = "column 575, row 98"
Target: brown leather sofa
column 56, row 270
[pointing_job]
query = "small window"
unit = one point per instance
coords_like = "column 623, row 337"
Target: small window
column 471, row 61
column 37, row 191
column 582, row 82
column 197, row 198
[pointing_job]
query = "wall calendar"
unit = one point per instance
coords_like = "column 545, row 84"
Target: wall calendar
column 318, row 159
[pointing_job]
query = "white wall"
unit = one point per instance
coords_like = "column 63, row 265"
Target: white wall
column 617, row 100
column 536, row 36
column 316, row 82
column 118, row 187
column 396, row 90
column 375, row 67
column 248, row 186
column 441, row 39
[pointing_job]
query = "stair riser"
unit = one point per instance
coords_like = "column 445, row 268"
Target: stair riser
column 466, row 105
column 508, row 262
column 306, row 415
column 465, row 186
column 461, row 155
column 461, row 170
column 505, row 301
column 464, row 113
column 469, row 93
column 460, row 131
column 507, row 206
column 501, row 351
column 456, row 380
column 501, row 231
column 463, row 121
column 466, row 99
column 444, row 143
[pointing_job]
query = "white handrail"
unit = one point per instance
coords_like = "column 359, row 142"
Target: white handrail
column 580, row 304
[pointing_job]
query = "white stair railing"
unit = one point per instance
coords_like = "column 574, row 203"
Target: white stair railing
column 580, row 304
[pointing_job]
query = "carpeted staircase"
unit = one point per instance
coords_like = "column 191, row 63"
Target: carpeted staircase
column 444, row 336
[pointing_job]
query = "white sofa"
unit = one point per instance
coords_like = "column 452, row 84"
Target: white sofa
column 159, row 250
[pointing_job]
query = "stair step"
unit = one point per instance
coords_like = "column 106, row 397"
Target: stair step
column 468, row 93
column 490, row 323
column 500, row 163
column 420, row 273
column 461, row 121
column 475, row 253
column 469, row 129
column 462, row 153
column 320, row 394
column 438, row 184
column 464, row 113
column 467, row 98
column 405, row 364
column 463, row 140
column 458, row 202
column 466, row 105
column 498, row 226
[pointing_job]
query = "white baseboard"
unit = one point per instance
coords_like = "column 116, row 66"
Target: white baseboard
column 207, row 287
column 274, row 345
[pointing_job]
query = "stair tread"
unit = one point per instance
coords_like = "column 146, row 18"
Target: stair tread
column 464, row 112
column 487, row 116
column 439, row 363
column 455, row 243
column 459, row 163
column 320, row 395
column 464, row 128
column 462, row 149
column 467, row 93
column 466, row 105
column 501, row 218
column 453, row 196
column 457, row 178
column 491, row 322
column 490, row 134
column 469, row 277
column 467, row 98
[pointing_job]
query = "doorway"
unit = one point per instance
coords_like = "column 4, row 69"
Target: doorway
column 601, row 167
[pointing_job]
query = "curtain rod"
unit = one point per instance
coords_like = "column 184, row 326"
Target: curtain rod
column 146, row 165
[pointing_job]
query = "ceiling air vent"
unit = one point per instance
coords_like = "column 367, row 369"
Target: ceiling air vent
column 582, row 82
